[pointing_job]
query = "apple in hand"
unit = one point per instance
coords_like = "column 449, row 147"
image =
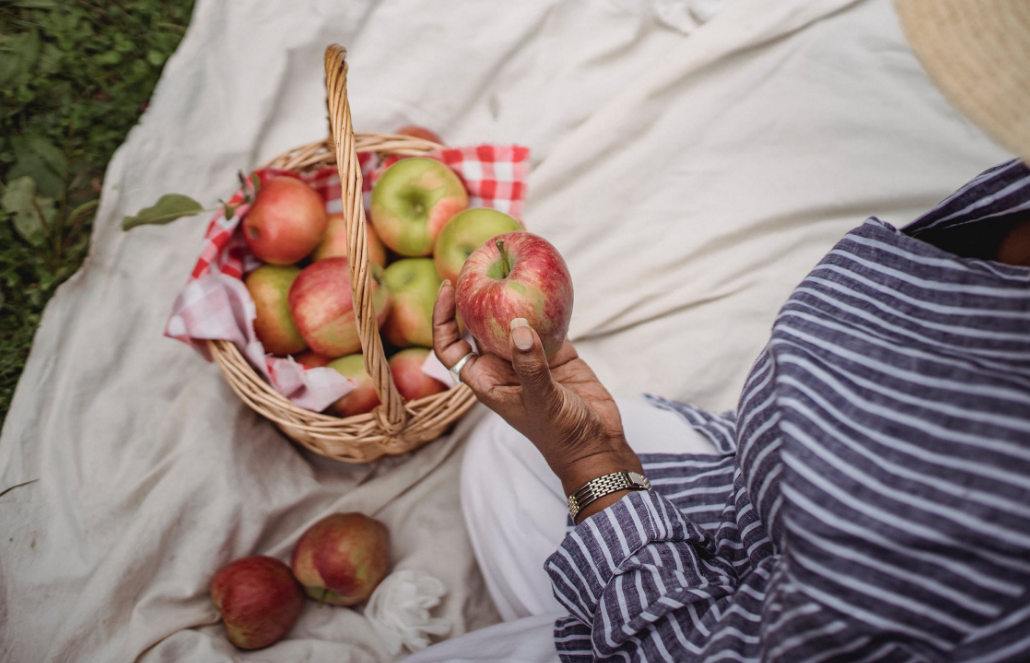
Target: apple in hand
column 334, row 242
column 465, row 233
column 406, row 370
column 362, row 398
column 412, row 284
column 416, row 131
column 342, row 558
column 323, row 309
column 311, row 359
column 412, row 201
column 269, row 287
column 515, row 275
column 259, row 599
column 285, row 222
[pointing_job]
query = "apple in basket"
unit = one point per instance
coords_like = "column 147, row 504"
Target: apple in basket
column 362, row 398
column 269, row 287
column 285, row 222
column 412, row 284
column 311, row 359
column 259, row 599
column 406, row 370
column 342, row 558
column 416, row 131
column 412, row 201
column 323, row 309
column 465, row 233
column 515, row 275
column 334, row 242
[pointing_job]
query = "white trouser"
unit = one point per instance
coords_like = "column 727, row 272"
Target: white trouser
column 516, row 515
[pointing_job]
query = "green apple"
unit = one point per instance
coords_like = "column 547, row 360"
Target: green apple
column 412, row 201
column 412, row 284
column 465, row 233
column 362, row 398
column 269, row 287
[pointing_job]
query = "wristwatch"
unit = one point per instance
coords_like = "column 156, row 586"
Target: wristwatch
column 606, row 485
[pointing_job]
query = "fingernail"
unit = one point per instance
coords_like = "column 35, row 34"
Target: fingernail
column 446, row 282
column 520, row 334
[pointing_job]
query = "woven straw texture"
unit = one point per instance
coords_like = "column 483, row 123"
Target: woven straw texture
column 978, row 53
column 396, row 426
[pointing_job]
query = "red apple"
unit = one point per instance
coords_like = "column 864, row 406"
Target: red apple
column 285, row 222
column 412, row 284
column 412, row 201
column 465, row 233
column 323, row 310
column 259, row 599
column 269, row 287
column 364, row 397
column 515, row 275
column 334, row 242
column 406, row 369
column 416, row 131
column 342, row 558
column 311, row 359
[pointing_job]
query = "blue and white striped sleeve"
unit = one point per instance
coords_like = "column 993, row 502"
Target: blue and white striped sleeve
column 642, row 582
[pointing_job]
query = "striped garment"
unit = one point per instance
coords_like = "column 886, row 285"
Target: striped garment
column 872, row 497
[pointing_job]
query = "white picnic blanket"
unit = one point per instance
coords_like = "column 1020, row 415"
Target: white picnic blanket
column 691, row 172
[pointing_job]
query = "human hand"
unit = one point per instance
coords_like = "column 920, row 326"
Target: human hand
column 559, row 405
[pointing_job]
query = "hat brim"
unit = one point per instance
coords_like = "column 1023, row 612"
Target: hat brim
column 978, row 54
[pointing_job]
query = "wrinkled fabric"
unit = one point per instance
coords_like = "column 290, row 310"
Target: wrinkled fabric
column 690, row 181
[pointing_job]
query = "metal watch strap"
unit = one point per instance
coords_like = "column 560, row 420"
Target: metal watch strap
column 606, row 485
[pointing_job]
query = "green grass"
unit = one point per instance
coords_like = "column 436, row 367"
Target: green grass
column 74, row 78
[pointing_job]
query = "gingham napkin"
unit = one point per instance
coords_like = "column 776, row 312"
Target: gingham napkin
column 214, row 304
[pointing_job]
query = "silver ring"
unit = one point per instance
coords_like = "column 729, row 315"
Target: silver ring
column 456, row 369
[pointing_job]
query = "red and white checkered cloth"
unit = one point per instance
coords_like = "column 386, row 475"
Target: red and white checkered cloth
column 215, row 304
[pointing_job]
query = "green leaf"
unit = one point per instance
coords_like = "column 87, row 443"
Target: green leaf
column 31, row 216
column 169, row 208
column 20, row 58
column 123, row 44
column 40, row 160
column 108, row 59
column 156, row 58
column 43, row 148
column 50, row 59
column 34, row 169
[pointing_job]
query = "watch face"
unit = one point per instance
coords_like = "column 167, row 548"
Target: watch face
column 639, row 479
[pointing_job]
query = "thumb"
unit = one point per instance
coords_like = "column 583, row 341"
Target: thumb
column 530, row 363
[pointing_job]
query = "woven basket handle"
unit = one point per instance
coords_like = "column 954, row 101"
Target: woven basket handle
column 392, row 413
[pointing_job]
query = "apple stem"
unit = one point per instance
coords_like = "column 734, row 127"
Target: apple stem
column 505, row 268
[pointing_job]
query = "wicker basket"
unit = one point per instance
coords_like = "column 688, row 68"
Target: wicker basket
column 396, row 426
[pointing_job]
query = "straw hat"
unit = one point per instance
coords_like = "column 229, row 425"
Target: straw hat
column 978, row 53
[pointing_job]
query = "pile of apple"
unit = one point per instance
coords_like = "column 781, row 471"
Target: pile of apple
column 339, row 560
column 420, row 232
